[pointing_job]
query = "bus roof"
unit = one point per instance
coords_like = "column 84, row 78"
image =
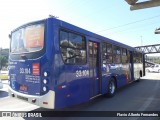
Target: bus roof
column 91, row 34
column 79, row 30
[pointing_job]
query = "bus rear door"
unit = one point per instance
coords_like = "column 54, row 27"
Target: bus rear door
column 94, row 71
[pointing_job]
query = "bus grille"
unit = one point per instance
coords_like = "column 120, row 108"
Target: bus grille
column 23, row 98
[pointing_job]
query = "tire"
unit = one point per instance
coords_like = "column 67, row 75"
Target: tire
column 159, row 71
column 111, row 88
column 138, row 80
column 140, row 73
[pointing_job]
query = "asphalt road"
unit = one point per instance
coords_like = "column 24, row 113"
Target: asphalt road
column 138, row 96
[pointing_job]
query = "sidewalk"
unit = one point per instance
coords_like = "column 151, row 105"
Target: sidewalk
column 152, row 76
column 3, row 75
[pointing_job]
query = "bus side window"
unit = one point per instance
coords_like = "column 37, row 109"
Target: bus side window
column 107, row 57
column 128, row 56
column 137, row 57
column 124, row 56
column 116, row 54
column 73, row 48
column 107, row 53
column 63, row 38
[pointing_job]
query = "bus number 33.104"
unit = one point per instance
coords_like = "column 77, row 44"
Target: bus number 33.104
column 25, row 70
column 82, row 73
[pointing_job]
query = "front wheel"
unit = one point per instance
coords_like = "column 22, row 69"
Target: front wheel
column 111, row 87
column 159, row 71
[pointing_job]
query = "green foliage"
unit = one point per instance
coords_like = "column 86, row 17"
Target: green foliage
column 3, row 61
column 154, row 59
column 3, row 77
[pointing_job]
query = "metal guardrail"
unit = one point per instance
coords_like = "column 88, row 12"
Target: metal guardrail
column 148, row 49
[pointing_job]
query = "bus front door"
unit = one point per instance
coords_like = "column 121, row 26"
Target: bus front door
column 94, row 64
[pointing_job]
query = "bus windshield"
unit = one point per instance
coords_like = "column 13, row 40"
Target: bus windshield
column 28, row 39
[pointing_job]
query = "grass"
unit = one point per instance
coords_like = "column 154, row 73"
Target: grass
column 3, row 77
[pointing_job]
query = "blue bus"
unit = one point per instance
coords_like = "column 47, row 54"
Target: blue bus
column 54, row 64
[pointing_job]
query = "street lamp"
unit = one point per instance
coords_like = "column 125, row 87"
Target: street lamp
column 157, row 31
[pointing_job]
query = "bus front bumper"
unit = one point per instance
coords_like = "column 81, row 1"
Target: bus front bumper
column 45, row 101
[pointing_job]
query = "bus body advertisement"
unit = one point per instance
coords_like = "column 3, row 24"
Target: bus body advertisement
column 54, row 64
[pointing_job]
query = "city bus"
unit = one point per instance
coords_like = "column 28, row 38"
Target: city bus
column 54, row 64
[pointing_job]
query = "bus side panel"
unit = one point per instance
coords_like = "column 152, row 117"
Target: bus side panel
column 105, row 81
column 71, row 81
column 75, row 89
column 120, row 72
column 137, row 68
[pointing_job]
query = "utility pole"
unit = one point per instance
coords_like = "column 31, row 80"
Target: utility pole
column 141, row 41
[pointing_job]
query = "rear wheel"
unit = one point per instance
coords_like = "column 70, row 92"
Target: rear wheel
column 159, row 71
column 140, row 75
column 111, row 87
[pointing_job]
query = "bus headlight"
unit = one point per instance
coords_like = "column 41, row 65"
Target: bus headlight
column 44, row 89
column 45, row 81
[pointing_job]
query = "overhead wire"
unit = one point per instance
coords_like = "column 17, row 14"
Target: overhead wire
column 133, row 29
column 79, row 3
column 130, row 23
column 73, row 4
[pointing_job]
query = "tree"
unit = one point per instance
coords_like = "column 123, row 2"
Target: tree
column 3, row 62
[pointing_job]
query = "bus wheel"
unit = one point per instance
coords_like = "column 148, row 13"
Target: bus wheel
column 111, row 87
column 140, row 73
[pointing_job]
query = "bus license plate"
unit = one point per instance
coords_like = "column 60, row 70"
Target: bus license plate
column 23, row 87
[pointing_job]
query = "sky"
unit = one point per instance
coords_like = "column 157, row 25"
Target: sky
column 109, row 18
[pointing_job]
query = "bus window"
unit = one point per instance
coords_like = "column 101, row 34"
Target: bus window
column 76, row 41
column 124, row 56
column 104, row 53
column 109, row 58
column 63, row 38
column 109, row 48
column 28, row 39
column 137, row 57
column 116, row 54
column 140, row 57
column 128, row 56
column 107, row 53
column 73, row 48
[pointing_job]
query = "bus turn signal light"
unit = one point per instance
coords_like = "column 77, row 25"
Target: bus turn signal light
column 45, row 103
